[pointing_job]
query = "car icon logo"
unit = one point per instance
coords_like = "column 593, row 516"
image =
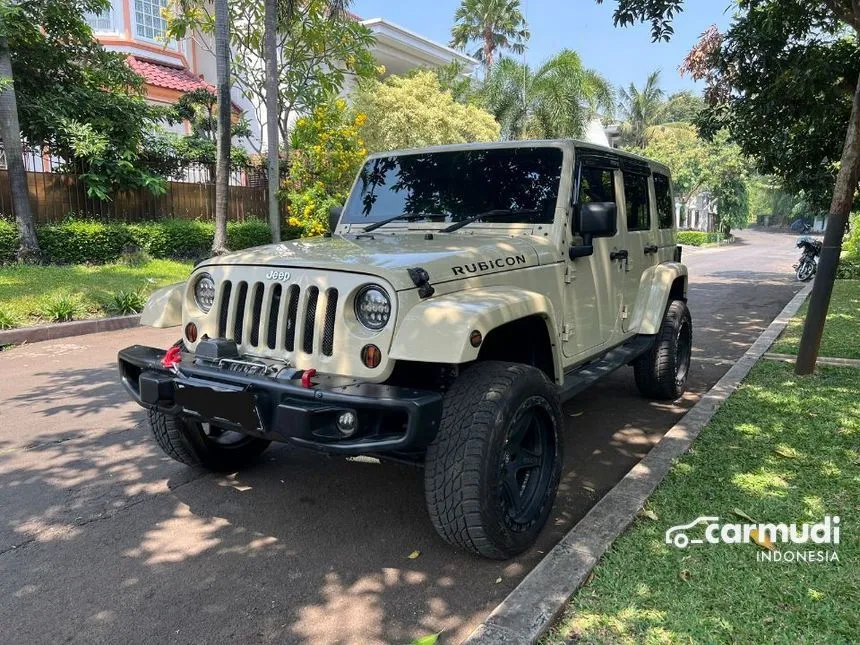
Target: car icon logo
column 676, row 535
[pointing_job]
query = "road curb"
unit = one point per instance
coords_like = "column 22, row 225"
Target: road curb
column 531, row 609
column 65, row 330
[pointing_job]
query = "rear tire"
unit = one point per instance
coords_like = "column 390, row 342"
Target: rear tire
column 492, row 472
column 661, row 373
column 202, row 446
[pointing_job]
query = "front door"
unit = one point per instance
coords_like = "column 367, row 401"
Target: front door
column 640, row 241
column 593, row 290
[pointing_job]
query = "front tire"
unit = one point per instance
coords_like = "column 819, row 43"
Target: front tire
column 492, row 472
column 805, row 270
column 661, row 373
column 201, row 445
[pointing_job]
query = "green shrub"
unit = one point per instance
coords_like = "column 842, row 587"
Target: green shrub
column 81, row 241
column 244, row 235
column 698, row 238
column 61, row 308
column 75, row 241
column 8, row 241
column 8, row 320
column 126, row 303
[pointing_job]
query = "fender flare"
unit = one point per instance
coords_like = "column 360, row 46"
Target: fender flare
column 438, row 330
column 653, row 298
column 164, row 307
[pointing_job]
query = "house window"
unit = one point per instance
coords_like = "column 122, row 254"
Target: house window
column 147, row 19
column 100, row 22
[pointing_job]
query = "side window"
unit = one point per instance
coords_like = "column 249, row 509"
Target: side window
column 636, row 197
column 665, row 206
column 596, row 185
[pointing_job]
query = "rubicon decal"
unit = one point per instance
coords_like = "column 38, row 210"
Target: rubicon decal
column 489, row 265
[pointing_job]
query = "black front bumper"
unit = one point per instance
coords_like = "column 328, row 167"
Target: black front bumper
column 390, row 419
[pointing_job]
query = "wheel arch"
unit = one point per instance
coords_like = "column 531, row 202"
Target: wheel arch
column 164, row 307
column 659, row 285
column 439, row 330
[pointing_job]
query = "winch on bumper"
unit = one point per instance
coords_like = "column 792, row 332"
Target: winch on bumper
column 385, row 418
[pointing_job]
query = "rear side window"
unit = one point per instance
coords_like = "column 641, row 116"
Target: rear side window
column 636, row 197
column 596, row 185
column 665, row 206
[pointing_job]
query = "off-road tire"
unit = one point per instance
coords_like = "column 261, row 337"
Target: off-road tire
column 661, row 373
column 185, row 441
column 463, row 476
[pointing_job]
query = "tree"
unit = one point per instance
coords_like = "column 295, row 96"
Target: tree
column 682, row 107
column 273, row 162
column 556, row 100
column 10, row 132
column 320, row 49
column 640, row 110
column 66, row 89
column 495, row 24
column 407, row 112
column 808, row 41
column 717, row 167
column 222, row 90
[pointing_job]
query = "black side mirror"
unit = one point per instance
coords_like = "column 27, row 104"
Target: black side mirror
column 595, row 219
column 334, row 214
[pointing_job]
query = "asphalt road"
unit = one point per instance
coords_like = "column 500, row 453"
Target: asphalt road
column 103, row 539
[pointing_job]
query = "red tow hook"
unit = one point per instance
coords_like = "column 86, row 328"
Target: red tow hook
column 172, row 357
column 306, row 378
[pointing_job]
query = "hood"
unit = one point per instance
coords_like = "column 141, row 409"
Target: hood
column 445, row 258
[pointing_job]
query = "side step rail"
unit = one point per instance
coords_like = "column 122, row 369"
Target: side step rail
column 582, row 377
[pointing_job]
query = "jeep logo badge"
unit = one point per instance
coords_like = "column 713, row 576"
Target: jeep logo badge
column 283, row 276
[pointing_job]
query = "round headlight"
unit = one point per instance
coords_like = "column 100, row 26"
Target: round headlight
column 372, row 307
column 204, row 292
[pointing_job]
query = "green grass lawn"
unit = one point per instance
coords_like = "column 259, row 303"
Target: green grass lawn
column 782, row 449
column 24, row 290
column 841, row 333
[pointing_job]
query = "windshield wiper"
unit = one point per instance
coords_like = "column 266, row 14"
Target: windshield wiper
column 496, row 212
column 403, row 217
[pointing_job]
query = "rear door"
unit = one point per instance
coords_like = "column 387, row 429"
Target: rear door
column 664, row 205
column 639, row 235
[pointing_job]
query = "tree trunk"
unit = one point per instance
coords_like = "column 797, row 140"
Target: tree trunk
column 222, row 166
column 488, row 49
column 270, row 27
column 840, row 208
column 10, row 132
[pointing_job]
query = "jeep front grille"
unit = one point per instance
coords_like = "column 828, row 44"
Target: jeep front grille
column 261, row 315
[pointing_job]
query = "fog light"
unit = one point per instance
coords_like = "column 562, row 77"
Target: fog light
column 191, row 332
column 371, row 356
column 347, row 423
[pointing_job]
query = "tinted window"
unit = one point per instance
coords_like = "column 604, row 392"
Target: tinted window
column 458, row 184
column 636, row 197
column 665, row 206
column 596, row 185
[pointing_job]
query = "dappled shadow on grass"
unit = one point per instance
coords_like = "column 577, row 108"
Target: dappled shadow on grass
column 783, row 449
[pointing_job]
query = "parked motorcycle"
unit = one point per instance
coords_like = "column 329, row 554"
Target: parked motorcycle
column 808, row 264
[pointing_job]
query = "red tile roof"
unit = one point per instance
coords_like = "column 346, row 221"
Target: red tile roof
column 168, row 76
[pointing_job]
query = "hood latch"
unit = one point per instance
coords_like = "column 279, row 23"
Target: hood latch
column 421, row 279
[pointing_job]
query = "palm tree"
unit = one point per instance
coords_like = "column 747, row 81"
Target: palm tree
column 10, row 133
column 496, row 24
column 270, row 36
column 222, row 164
column 558, row 99
column 641, row 110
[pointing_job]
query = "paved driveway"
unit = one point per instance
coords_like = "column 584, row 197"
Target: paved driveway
column 102, row 539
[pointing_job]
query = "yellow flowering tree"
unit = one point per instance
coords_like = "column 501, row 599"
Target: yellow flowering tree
column 414, row 111
column 326, row 153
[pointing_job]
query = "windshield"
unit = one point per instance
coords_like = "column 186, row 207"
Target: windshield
column 453, row 186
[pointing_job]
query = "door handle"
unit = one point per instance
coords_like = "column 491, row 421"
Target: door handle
column 619, row 255
column 651, row 248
